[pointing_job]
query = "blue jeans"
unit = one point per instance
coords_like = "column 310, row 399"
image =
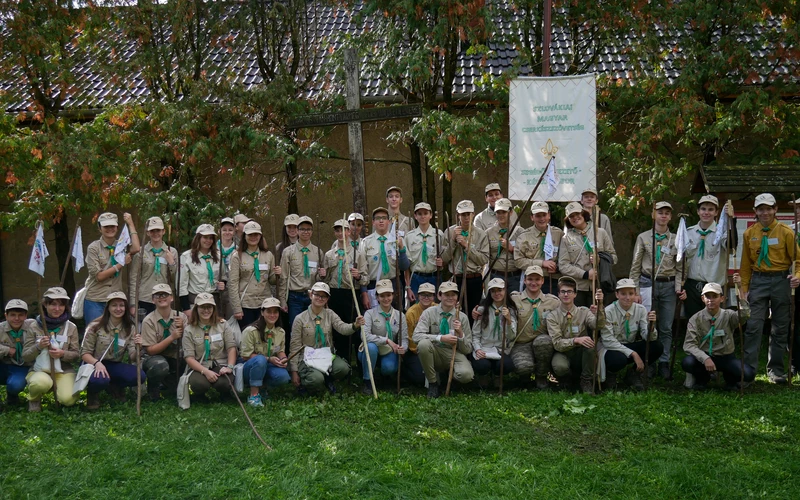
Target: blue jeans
column 13, row 377
column 121, row 375
column 297, row 303
column 92, row 310
column 417, row 280
column 257, row 368
column 388, row 362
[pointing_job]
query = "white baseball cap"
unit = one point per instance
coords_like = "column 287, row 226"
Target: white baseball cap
column 534, row 270
column 321, row 287
column 204, row 298
column 355, row 216
column 205, row 230
column 384, row 286
column 56, row 292
column 765, row 199
column 161, row 288
column 426, row 288
column 539, row 207
column 712, row 288
column 154, row 223
column 107, row 219
column 465, row 207
column 492, row 187
column 422, row 206
column 503, row 205
column 116, row 295
column 625, row 283
column 709, row 198
column 448, row 286
column 291, row 220
column 496, row 283
column 16, row 304
column 252, row 227
column 270, row 302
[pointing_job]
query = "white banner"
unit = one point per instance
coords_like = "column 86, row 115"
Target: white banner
column 552, row 117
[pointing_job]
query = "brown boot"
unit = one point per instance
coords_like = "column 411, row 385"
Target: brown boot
column 92, row 401
column 586, row 386
column 35, row 405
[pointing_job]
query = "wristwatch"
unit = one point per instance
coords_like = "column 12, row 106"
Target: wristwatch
column 230, row 366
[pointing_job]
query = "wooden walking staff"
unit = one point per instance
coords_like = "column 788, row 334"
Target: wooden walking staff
column 436, row 249
column 461, row 300
column 792, row 311
column 136, row 329
column 44, row 323
column 600, row 310
column 505, row 323
column 363, row 333
column 652, row 300
column 69, row 255
column 738, row 310
column 176, row 285
column 241, row 405
column 676, row 321
column 221, row 302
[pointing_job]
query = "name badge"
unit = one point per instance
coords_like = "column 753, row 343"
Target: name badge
column 216, row 337
column 401, row 233
column 772, row 241
column 162, row 260
column 264, row 267
column 576, row 329
column 312, row 265
column 61, row 338
column 719, row 333
column 121, row 342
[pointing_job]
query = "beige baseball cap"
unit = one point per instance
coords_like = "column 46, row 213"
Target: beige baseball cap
column 567, row 280
column 589, row 190
column 384, row 286
column 56, row 292
column 712, row 288
column 448, row 286
column 291, row 220
column 496, row 283
column 241, row 218
column 154, row 223
column 380, row 209
column 355, row 216
column 161, row 288
column 573, row 208
column 340, row 223
column 534, row 270
column 394, row 188
column 422, row 206
column 492, row 187
column 227, row 220
column 204, row 299
column 116, row 295
column 205, row 230
column 503, row 205
column 107, row 219
column 270, row 302
column 305, row 218
column 426, row 288
column 539, row 207
column 252, row 227
column 765, row 199
column 663, row 204
column 16, row 304
column 625, row 283
column 321, row 287
column 708, row 199
column 465, row 207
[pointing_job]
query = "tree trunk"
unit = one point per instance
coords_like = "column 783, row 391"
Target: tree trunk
column 447, row 196
column 430, row 184
column 416, row 170
column 63, row 241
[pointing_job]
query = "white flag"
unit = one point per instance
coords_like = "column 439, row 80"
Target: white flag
column 681, row 239
column 122, row 245
column 722, row 228
column 552, row 180
column 38, row 253
column 77, row 250
column 548, row 245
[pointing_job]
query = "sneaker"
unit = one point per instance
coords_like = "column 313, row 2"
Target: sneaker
column 92, row 401
column 542, row 383
column 433, row 390
column 367, row 388
column 779, row 380
column 664, row 371
column 255, row 401
column 35, row 406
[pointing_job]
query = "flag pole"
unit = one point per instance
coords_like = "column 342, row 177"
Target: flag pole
column 69, row 255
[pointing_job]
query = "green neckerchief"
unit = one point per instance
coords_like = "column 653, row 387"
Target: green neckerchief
column 388, row 318
column 425, row 249
column 503, row 231
column 496, row 328
column 319, row 334
column 569, row 325
column 354, row 244
column 385, row 269
column 210, row 269
column 465, row 234
column 225, row 253
column 17, row 337
column 536, row 320
column 627, row 322
column 113, row 262
column 444, row 324
column 115, row 331
column 207, row 341
column 710, row 336
column 270, row 336
column 763, row 255
column 256, row 269
column 586, row 244
column 339, row 268
column 165, row 325
column 306, row 270
column 659, row 237
column 701, row 248
column 157, row 264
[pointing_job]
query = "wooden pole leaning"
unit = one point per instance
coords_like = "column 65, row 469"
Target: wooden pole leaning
column 363, row 333
column 676, row 321
column 244, row 410
column 44, row 325
column 176, row 287
column 461, row 300
column 595, row 279
column 646, row 378
column 136, row 330
column 732, row 251
column 792, row 311
column 69, row 254
column 436, row 249
column 505, row 322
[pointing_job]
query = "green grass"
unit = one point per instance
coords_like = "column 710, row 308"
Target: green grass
column 665, row 443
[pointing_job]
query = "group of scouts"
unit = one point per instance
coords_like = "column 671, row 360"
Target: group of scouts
column 527, row 307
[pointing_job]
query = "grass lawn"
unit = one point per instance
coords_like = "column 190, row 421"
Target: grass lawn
column 665, row 443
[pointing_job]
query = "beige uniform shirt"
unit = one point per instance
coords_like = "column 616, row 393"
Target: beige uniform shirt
column 153, row 332
column 643, row 259
column 304, row 332
column 563, row 329
column 454, row 253
column 414, row 242
column 492, row 334
column 292, row 276
column 428, row 328
column 98, row 259
column 194, row 276
column 371, row 248
column 67, row 336
column 272, row 342
column 97, row 340
column 30, row 329
column 243, row 289
column 220, row 339
column 526, row 331
column 487, row 218
column 698, row 342
column 149, row 276
column 332, row 278
column 712, row 267
column 530, row 252
column 614, row 333
column 404, row 226
column 573, row 258
column 493, row 234
column 376, row 332
column 605, row 223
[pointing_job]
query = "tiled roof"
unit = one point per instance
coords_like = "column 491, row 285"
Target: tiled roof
column 95, row 89
column 776, row 178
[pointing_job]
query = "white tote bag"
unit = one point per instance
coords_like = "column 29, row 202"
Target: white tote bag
column 184, row 403
column 42, row 363
column 85, row 372
column 320, row 359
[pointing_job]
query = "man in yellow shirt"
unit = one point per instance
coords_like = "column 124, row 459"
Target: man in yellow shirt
column 766, row 273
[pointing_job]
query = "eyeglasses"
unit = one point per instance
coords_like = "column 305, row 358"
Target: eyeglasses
column 305, row 229
column 320, row 295
column 159, row 296
column 566, row 292
column 380, row 218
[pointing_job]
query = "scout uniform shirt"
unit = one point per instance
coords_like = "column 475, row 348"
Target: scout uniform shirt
column 429, row 327
column 17, row 341
column 65, row 334
column 617, row 332
column 404, row 226
column 478, row 253
column 100, row 257
column 196, row 277
column 226, row 254
column 412, row 318
column 267, row 343
column 371, row 248
column 248, row 289
column 492, row 335
column 605, row 223
column 529, row 250
column 574, row 254
column 375, row 329
column 98, row 339
column 155, row 329
column 707, row 262
column 337, row 268
column 353, row 244
column 218, row 338
column 487, row 218
column 529, row 325
column 415, row 241
column 493, row 234
column 152, row 274
column 295, row 276
column 305, row 333
column 702, row 343
column 779, row 240
column 666, row 252
column 564, row 325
